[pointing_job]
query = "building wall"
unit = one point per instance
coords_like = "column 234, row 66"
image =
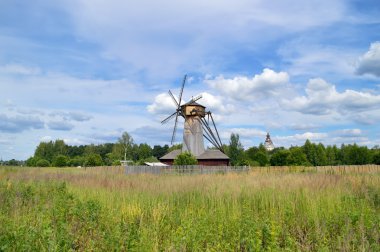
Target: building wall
column 214, row 162
column 167, row 161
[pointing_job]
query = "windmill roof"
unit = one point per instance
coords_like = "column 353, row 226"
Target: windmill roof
column 193, row 103
column 207, row 154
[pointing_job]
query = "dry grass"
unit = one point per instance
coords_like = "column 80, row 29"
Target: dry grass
column 293, row 208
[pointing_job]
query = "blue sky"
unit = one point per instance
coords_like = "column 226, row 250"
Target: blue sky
column 85, row 71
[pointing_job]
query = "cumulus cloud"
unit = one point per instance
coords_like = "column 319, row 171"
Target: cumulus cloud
column 267, row 83
column 323, row 99
column 16, row 124
column 163, row 104
column 369, row 63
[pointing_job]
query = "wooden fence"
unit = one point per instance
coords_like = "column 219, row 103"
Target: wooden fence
column 198, row 169
column 186, row 169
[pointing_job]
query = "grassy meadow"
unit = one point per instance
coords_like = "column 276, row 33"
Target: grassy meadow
column 101, row 209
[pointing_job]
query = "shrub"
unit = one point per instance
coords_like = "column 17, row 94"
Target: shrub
column 185, row 158
column 42, row 163
column 94, row 160
column 77, row 161
column 60, row 161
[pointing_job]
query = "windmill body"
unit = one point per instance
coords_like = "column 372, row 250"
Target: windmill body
column 193, row 131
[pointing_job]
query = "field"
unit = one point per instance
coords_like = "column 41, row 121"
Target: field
column 102, row 209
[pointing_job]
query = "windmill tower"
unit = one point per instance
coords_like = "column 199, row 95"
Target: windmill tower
column 198, row 123
column 269, row 146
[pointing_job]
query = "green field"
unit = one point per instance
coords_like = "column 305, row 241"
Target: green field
column 101, row 209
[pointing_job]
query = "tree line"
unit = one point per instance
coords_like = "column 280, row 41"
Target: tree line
column 57, row 153
column 310, row 154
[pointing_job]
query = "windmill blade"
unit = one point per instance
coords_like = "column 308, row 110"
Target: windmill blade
column 168, row 118
column 174, row 99
column 175, row 128
column 216, row 130
column 196, row 98
column 181, row 92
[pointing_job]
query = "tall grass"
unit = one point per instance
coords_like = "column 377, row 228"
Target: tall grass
column 102, row 209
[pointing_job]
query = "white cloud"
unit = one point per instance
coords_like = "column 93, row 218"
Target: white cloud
column 163, row 104
column 369, row 63
column 188, row 35
column 244, row 133
column 60, row 125
column 303, row 126
column 19, row 123
column 46, row 139
column 348, row 132
column 19, row 69
column 71, row 116
column 308, row 55
column 323, row 99
column 267, row 83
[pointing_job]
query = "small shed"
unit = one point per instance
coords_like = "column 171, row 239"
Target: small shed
column 207, row 158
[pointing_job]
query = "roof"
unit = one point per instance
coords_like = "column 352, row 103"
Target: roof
column 213, row 154
column 171, row 155
column 155, row 164
column 208, row 154
column 193, row 103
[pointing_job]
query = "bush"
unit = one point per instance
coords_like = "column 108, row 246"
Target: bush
column 376, row 158
column 42, row 163
column 77, row 161
column 60, row 161
column 94, row 160
column 185, row 158
column 31, row 161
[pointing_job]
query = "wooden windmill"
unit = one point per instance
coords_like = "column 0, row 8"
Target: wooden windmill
column 199, row 123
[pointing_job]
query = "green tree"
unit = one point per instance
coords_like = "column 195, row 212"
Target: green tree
column 185, row 158
column 235, row 150
column 126, row 141
column 310, row 149
column 332, row 155
column 174, row 147
column 77, row 161
column 279, row 158
column 31, row 161
column 144, row 151
column 45, row 150
column 261, row 158
column 60, row 160
column 320, row 155
column 376, row 158
column 59, row 147
column 93, row 160
column 296, row 157
column 158, row 151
